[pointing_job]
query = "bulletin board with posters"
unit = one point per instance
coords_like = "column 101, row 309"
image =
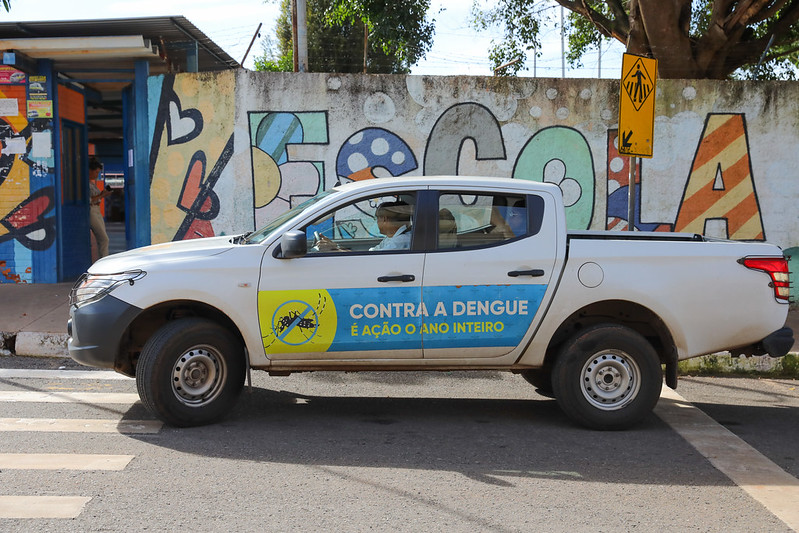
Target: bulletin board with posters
column 12, row 93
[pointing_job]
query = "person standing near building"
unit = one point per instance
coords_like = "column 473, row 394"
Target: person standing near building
column 95, row 213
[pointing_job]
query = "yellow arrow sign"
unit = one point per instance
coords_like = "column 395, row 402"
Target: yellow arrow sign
column 637, row 105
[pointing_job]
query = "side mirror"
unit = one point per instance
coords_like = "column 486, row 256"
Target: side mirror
column 293, row 244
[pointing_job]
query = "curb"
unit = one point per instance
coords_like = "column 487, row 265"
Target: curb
column 41, row 344
column 33, row 344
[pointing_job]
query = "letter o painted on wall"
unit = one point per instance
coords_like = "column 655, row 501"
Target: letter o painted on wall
column 567, row 145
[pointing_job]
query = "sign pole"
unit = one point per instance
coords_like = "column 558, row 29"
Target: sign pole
column 631, row 196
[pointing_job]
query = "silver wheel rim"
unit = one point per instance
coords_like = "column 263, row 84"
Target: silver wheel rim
column 610, row 380
column 198, row 375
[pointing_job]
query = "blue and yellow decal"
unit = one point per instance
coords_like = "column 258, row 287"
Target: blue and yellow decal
column 396, row 318
column 467, row 316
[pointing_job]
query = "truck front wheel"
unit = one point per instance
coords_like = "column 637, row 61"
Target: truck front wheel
column 607, row 377
column 190, row 372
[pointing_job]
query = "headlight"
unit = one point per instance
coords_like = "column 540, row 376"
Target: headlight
column 91, row 287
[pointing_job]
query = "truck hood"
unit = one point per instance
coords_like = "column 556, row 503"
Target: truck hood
column 169, row 252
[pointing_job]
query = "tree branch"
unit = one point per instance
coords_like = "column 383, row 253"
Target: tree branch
column 767, row 13
column 617, row 8
column 783, row 25
column 742, row 53
column 782, row 53
column 638, row 41
column 605, row 26
column 591, row 16
column 746, row 11
column 721, row 9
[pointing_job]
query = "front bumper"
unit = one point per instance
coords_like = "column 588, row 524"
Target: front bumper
column 96, row 329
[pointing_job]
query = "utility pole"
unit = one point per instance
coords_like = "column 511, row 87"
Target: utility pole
column 599, row 60
column 302, row 36
column 365, row 44
column 562, row 46
column 294, row 34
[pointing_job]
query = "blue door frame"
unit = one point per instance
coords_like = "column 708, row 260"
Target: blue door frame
column 139, row 158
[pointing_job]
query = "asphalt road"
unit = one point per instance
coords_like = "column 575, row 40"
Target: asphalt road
column 386, row 452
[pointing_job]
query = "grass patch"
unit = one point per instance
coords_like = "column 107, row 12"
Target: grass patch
column 723, row 364
column 790, row 365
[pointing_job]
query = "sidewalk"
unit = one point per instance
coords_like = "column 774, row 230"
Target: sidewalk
column 33, row 319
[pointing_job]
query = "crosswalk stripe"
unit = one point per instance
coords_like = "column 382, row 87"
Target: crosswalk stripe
column 63, row 461
column 42, row 506
column 81, row 425
column 762, row 479
column 21, row 373
column 63, row 507
column 69, row 397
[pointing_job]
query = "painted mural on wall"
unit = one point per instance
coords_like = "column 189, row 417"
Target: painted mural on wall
column 278, row 182
column 192, row 143
column 27, row 205
column 723, row 160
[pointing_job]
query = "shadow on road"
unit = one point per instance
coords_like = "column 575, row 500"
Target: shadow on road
column 490, row 440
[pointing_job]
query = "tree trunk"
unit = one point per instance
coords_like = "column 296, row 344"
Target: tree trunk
column 665, row 23
column 637, row 42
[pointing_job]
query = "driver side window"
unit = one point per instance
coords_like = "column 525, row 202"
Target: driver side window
column 369, row 225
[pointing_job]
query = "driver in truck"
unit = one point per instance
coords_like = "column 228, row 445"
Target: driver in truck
column 394, row 221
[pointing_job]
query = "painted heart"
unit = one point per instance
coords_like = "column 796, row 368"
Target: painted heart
column 183, row 125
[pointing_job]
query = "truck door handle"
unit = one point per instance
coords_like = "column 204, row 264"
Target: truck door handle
column 536, row 273
column 405, row 278
column 402, row 277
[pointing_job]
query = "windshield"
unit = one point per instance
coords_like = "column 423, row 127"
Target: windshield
column 258, row 236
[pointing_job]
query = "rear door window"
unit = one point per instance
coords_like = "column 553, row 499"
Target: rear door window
column 469, row 221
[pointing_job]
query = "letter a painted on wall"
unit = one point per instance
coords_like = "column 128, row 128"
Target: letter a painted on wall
column 720, row 187
column 637, row 105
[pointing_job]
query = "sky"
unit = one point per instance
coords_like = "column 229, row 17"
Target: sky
column 458, row 49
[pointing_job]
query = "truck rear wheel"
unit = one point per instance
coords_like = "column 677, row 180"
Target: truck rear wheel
column 190, row 372
column 607, row 377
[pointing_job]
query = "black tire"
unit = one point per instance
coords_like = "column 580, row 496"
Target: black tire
column 607, row 377
column 191, row 372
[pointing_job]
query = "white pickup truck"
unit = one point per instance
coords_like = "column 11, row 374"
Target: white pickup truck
column 429, row 273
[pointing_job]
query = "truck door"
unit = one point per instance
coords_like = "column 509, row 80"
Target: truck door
column 357, row 292
column 488, row 272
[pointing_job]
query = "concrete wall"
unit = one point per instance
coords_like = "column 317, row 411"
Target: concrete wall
column 232, row 150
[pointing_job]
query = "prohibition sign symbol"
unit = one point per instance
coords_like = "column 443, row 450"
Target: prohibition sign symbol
column 291, row 321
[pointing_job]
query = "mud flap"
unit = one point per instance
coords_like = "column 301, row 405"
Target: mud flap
column 671, row 369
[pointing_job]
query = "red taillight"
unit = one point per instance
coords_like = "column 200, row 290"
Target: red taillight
column 777, row 268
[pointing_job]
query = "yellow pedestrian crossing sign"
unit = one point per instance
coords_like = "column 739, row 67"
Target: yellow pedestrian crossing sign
column 637, row 105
